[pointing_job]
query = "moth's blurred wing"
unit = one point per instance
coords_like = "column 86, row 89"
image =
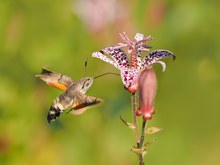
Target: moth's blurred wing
column 83, row 102
column 54, row 79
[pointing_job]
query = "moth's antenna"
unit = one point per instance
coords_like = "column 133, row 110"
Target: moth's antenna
column 106, row 74
column 86, row 62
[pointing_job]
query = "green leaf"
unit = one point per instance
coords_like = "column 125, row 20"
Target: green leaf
column 130, row 125
column 148, row 143
column 153, row 130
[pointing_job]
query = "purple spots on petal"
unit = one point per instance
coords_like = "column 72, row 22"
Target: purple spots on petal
column 129, row 76
column 104, row 58
column 118, row 55
column 155, row 56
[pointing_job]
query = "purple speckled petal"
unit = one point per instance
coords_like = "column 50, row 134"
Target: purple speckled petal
column 104, row 58
column 154, row 56
column 139, row 62
column 129, row 76
column 118, row 55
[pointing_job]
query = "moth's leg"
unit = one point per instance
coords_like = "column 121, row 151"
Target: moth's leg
column 69, row 111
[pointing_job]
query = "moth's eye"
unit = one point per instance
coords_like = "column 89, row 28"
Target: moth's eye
column 87, row 84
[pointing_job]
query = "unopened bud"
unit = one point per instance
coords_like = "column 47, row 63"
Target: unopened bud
column 138, row 112
column 147, row 91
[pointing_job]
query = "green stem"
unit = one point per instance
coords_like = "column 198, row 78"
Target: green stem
column 144, row 124
column 139, row 140
column 141, row 156
column 133, row 100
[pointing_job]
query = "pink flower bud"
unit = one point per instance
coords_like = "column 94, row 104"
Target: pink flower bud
column 147, row 116
column 133, row 88
column 147, row 85
column 138, row 112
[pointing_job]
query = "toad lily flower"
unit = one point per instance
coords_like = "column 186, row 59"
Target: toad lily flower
column 132, row 69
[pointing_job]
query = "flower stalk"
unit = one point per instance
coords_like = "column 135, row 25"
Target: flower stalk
column 133, row 100
column 141, row 156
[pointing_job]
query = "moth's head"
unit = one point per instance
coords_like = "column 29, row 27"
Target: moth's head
column 85, row 84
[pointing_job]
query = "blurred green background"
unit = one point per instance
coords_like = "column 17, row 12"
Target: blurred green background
column 61, row 34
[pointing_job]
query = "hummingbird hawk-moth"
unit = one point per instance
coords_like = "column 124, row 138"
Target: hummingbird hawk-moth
column 74, row 96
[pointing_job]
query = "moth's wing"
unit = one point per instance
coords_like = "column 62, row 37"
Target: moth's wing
column 83, row 102
column 54, row 79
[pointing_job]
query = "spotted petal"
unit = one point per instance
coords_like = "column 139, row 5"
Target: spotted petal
column 101, row 56
column 129, row 76
column 118, row 55
column 155, row 56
